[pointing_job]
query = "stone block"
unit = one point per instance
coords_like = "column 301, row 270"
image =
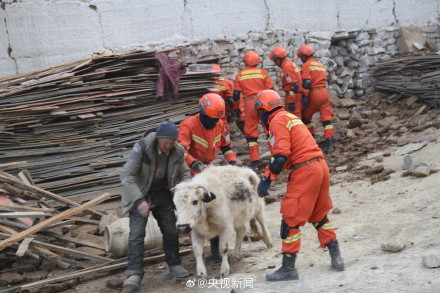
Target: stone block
column 353, row 49
column 409, row 36
column 359, row 93
column 362, row 36
column 320, row 35
column 364, row 43
column 396, row 241
column 339, row 60
column 431, row 261
column 349, row 93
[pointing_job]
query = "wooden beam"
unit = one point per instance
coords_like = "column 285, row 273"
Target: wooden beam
column 25, row 215
column 23, row 247
column 13, row 164
column 18, row 183
column 55, row 219
column 89, row 272
column 54, row 257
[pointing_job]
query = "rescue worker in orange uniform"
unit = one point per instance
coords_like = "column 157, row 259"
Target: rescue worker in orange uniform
column 316, row 98
column 307, row 197
column 224, row 88
column 291, row 80
column 250, row 82
column 201, row 136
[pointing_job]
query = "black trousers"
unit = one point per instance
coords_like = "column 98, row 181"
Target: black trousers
column 163, row 212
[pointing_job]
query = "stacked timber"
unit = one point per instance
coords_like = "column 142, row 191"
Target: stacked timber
column 72, row 126
column 37, row 239
column 414, row 75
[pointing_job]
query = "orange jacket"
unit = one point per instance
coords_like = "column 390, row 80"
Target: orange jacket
column 291, row 138
column 314, row 71
column 202, row 144
column 252, row 80
column 224, row 88
column 290, row 73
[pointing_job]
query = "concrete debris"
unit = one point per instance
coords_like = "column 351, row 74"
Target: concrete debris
column 409, row 148
column 395, row 241
column 421, row 171
column 342, row 168
column 374, row 155
column 407, row 162
column 431, row 261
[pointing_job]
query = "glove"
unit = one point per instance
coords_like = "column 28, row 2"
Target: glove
column 291, row 106
column 295, row 87
column 198, row 166
column 233, row 163
column 305, row 102
column 263, row 187
column 230, row 102
column 237, row 113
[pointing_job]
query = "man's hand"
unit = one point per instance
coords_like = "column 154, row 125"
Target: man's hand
column 144, row 209
column 263, row 187
column 305, row 102
column 198, row 166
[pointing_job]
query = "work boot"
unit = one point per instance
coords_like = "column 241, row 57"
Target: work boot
column 335, row 254
column 255, row 166
column 215, row 249
column 178, row 271
column 287, row 271
column 132, row 284
column 329, row 148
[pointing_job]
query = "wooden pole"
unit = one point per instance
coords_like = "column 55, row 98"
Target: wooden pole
column 57, row 218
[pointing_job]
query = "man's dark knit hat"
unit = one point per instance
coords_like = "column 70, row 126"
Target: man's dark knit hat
column 167, row 129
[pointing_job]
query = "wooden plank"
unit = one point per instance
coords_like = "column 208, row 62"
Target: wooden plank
column 15, row 207
column 38, row 190
column 54, row 258
column 68, row 213
column 25, row 214
column 23, row 247
column 13, row 164
column 88, row 272
column 71, row 239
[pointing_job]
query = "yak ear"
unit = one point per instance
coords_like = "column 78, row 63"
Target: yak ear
column 207, row 197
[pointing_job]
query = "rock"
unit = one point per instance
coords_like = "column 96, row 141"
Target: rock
column 409, row 148
column 11, row 278
column 411, row 100
column 387, row 121
column 374, row 170
column 431, row 261
column 35, row 276
column 351, row 134
column 91, row 250
column 421, row 171
column 355, row 121
column 358, row 237
column 374, row 155
column 349, row 93
column 396, row 241
column 343, row 115
column 336, row 211
column 407, row 162
column 403, row 140
column 341, row 168
column 347, row 103
column 403, row 129
column 114, row 283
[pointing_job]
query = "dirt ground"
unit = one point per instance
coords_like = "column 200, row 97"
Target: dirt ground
column 372, row 205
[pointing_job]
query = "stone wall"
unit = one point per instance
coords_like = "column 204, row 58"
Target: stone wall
column 348, row 55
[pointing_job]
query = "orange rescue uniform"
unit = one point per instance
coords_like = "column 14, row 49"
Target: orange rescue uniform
column 250, row 82
column 307, row 197
column 225, row 88
column 202, row 144
column 291, row 73
column 319, row 98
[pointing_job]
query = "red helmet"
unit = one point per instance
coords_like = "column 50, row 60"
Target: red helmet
column 305, row 50
column 266, row 101
column 278, row 52
column 251, row 58
column 212, row 105
column 216, row 67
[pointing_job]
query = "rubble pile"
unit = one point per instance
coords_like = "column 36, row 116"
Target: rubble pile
column 365, row 129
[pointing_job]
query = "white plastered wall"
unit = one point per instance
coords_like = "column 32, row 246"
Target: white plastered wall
column 36, row 34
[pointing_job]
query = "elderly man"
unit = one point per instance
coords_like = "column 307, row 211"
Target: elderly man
column 156, row 164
